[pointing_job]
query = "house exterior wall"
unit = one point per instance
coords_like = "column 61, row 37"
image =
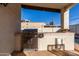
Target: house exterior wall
column 39, row 26
column 26, row 25
column 56, row 29
column 42, row 30
column 49, row 38
column 49, row 29
column 9, row 25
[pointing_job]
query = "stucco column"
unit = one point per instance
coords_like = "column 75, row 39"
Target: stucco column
column 64, row 19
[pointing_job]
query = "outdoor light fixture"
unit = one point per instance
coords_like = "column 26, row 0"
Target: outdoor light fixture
column 3, row 4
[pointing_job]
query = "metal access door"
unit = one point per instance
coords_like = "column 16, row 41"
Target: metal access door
column 29, row 39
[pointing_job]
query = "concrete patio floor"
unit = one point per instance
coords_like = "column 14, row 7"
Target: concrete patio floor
column 47, row 53
column 51, row 53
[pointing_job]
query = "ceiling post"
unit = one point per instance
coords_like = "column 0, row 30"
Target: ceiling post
column 64, row 19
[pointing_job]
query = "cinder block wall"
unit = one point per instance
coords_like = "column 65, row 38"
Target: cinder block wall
column 49, row 38
column 9, row 25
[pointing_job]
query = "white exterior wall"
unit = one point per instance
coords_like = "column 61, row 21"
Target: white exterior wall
column 49, row 38
column 52, row 29
column 41, row 30
column 9, row 25
column 55, row 29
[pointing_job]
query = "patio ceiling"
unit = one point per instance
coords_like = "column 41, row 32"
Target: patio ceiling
column 55, row 7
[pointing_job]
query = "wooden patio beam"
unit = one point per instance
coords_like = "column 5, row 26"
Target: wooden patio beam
column 41, row 8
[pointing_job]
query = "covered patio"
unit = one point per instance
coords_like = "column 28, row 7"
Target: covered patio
column 10, row 34
column 50, row 37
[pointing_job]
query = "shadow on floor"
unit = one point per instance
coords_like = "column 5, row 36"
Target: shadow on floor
column 55, row 52
column 17, row 53
column 63, row 53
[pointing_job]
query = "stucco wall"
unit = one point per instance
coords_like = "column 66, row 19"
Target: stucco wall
column 56, row 29
column 25, row 25
column 45, row 30
column 9, row 24
column 49, row 38
column 39, row 26
column 49, row 29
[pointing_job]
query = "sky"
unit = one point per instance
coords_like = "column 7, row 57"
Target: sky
column 45, row 16
column 74, row 15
